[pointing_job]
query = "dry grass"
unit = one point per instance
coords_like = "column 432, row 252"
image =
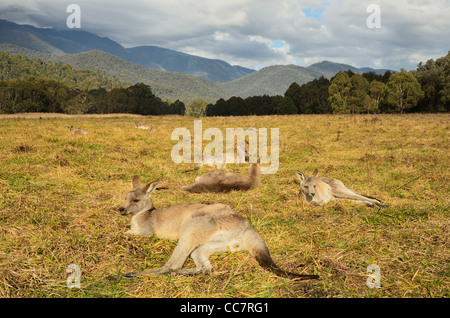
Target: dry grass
column 59, row 195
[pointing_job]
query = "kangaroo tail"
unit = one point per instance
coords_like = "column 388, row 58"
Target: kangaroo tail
column 266, row 262
column 260, row 252
column 195, row 188
column 197, row 167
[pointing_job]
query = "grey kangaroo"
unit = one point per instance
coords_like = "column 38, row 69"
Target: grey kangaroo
column 220, row 181
column 77, row 131
column 201, row 230
column 319, row 191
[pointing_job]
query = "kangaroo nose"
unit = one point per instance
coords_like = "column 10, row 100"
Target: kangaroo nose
column 122, row 210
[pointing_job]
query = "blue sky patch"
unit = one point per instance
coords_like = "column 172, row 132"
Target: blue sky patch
column 314, row 13
column 277, row 44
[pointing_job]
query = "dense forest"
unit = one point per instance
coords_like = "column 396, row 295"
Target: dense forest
column 426, row 89
column 21, row 67
column 32, row 85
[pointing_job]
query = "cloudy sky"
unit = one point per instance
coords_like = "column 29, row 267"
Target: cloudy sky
column 258, row 33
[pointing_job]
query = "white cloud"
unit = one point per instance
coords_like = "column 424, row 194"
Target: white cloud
column 243, row 31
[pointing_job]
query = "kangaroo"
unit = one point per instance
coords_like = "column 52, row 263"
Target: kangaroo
column 140, row 125
column 77, row 131
column 201, row 230
column 319, row 191
column 220, row 181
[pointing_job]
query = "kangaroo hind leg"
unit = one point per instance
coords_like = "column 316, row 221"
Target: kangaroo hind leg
column 185, row 246
column 194, row 237
column 200, row 256
column 194, row 188
column 359, row 198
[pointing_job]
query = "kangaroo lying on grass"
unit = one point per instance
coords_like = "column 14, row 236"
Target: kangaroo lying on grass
column 77, row 131
column 219, row 181
column 139, row 125
column 319, row 191
column 201, row 230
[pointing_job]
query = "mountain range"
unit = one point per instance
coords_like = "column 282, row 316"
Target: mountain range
column 171, row 74
column 73, row 41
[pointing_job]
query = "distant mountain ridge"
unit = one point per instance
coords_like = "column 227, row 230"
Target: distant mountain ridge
column 329, row 69
column 211, row 69
column 77, row 41
column 171, row 74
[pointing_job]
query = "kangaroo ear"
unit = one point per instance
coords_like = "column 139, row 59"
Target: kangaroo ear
column 150, row 187
column 136, row 182
column 300, row 176
column 314, row 174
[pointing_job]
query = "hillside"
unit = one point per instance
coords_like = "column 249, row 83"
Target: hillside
column 20, row 67
column 272, row 80
column 166, row 85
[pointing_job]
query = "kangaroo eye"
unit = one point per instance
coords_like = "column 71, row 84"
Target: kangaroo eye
column 135, row 200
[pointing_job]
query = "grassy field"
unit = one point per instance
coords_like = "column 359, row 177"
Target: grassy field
column 60, row 194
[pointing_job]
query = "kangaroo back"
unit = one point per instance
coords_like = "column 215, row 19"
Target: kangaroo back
column 219, row 181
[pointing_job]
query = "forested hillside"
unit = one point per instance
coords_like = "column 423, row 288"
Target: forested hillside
column 21, row 67
column 166, row 85
column 34, row 85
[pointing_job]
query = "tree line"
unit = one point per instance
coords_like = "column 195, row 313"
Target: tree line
column 426, row 89
column 47, row 95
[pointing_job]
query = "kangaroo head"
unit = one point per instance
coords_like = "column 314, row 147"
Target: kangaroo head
column 138, row 199
column 254, row 171
column 307, row 185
